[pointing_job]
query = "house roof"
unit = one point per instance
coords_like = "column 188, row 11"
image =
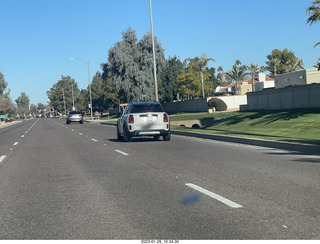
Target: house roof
column 256, row 80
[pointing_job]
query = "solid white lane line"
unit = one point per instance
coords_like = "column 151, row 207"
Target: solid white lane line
column 215, row 196
column 94, row 139
column 123, row 153
column 16, row 143
column 2, row 158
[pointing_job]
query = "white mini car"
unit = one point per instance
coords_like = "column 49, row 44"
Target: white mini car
column 143, row 119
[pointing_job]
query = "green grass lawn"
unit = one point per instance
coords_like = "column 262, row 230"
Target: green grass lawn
column 301, row 126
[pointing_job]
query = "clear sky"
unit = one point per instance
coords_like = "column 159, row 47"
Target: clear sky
column 38, row 37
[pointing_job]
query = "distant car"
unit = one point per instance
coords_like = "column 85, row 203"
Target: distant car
column 74, row 116
column 143, row 119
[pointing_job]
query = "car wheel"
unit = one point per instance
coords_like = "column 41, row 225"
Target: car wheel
column 126, row 136
column 119, row 137
column 81, row 122
column 167, row 137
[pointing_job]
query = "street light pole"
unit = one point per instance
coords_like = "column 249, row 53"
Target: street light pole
column 89, row 82
column 64, row 102
column 154, row 55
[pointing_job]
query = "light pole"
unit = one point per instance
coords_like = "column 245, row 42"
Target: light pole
column 64, row 102
column 73, row 107
column 154, row 55
column 89, row 82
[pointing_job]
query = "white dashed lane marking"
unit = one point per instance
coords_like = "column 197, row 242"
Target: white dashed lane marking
column 2, row 158
column 123, row 153
column 215, row 196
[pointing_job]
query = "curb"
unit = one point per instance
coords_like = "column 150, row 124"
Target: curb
column 289, row 146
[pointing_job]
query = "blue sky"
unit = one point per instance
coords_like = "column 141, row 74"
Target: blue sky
column 38, row 37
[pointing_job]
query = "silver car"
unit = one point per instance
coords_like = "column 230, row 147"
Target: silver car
column 143, row 119
column 74, row 116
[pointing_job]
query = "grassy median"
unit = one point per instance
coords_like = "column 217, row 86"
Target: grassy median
column 301, row 125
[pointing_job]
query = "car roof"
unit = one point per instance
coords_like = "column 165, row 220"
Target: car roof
column 144, row 103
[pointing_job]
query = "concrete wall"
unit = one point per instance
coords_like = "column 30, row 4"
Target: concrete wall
column 197, row 105
column 201, row 105
column 303, row 96
column 233, row 102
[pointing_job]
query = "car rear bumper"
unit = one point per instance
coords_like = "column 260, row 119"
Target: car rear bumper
column 75, row 120
column 149, row 133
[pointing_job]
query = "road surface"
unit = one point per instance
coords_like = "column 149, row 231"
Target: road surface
column 77, row 181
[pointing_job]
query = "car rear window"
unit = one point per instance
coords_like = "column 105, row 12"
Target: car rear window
column 75, row 112
column 144, row 108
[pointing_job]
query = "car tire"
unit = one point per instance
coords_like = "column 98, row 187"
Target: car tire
column 167, row 137
column 126, row 136
column 119, row 137
column 81, row 122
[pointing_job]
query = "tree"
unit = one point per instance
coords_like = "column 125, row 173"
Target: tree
column 314, row 12
column 130, row 66
column 196, row 78
column 237, row 74
column 189, row 82
column 314, row 16
column 104, row 94
column 168, row 87
column 280, row 62
column 60, row 94
column 3, row 84
column 6, row 104
column 33, row 109
column 23, row 105
column 97, row 92
column 253, row 69
column 202, row 63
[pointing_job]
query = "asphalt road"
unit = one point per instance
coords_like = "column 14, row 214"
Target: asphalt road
column 77, row 181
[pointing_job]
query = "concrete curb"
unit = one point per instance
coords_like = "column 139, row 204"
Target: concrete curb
column 302, row 148
column 290, row 146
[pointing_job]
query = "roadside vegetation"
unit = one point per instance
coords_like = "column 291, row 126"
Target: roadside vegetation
column 302, row 126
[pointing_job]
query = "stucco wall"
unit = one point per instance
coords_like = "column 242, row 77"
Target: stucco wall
column 301, row 96
column 200, row 105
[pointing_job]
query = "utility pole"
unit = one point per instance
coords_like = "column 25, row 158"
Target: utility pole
column 64, row 102
column 154, row 55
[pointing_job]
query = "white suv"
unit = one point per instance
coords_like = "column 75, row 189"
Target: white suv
column 143, row 119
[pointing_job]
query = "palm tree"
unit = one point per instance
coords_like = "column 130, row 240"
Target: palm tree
column 202, row 64
column 314, row 12
column 314, row 16
column 254, row 69
column 275, row 62
column 237, row 73
column 293, row 65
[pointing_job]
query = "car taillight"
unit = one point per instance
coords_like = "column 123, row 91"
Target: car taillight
column 70, row 115
column 131, row 120
column 165, row 118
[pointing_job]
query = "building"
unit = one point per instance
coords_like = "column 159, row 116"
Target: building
column 264, row 83
column 301, row 77
column 260, row 83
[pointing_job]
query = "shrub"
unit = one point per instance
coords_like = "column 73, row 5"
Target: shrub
column 218, row 104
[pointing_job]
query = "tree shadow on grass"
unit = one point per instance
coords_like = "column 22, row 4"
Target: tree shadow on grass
column 264, row 117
